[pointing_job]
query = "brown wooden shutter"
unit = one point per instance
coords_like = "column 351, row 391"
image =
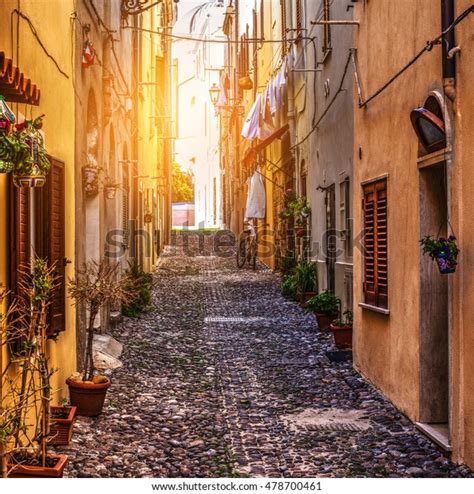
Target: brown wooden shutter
column 50, row 238
column 375, row 244
column 284, row 47
column 20, row 233
column 299, row 16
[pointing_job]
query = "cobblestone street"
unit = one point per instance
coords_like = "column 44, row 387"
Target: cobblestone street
column 224, row 377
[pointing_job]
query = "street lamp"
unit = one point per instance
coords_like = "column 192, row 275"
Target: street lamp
column 214, row 93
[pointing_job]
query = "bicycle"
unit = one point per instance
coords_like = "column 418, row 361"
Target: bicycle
column 247, row 248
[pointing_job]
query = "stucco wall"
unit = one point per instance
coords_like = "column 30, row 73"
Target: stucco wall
column 57, row 103
column 387, row 347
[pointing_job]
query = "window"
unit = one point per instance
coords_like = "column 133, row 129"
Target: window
column 38, row 225
column 326, row 27
column 345, row 220
column 375, row 244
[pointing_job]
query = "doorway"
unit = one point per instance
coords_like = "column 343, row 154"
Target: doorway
column 331, row 237
column 434, row 308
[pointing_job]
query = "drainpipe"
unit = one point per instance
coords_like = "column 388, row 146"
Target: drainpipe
column 448, row 43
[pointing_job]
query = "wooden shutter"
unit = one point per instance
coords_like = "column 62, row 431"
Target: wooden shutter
column 284, row 47
column 299, row 17
column 125, row 204
column 49, row 242
column 375, row 244
column 20, row 233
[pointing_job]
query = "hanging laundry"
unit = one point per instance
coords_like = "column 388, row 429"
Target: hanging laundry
column 223, row 98
column 265, row 112
column 281, row 84
column 251, row 126
column 272, row 96
column 256, row 200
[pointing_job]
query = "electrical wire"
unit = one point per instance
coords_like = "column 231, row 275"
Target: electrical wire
column 110, row 34
column 35, row 34
column 429, row 46
column 205, row 40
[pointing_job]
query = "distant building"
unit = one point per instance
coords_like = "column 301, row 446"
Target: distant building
column 197, row 143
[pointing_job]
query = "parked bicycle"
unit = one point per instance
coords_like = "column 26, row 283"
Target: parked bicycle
column 247, row 248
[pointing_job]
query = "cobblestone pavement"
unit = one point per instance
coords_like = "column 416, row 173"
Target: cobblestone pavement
column 223, row 377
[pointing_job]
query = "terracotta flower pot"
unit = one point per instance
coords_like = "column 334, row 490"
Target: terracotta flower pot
column 342, row 336
column 61, row 427
column 305, row 297
column 90, row 173
column 325, row 320
column 21, row 468
column 300, row 231
column 87, row 397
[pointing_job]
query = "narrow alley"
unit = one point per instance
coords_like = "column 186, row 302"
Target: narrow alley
column 223, row 377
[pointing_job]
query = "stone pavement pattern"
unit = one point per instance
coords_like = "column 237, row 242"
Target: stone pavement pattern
column 223, row 377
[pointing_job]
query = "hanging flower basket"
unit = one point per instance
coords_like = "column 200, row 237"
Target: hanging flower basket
column 31, row 163
column 446, row 265
column 90, row 180
column 443, row 250
column 110, row 191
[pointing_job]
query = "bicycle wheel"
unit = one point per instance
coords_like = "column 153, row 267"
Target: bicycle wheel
column 242, row 253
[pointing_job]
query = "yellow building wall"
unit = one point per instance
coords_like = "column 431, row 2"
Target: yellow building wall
column 463, row 286
column 57, row 103
column 387, row 347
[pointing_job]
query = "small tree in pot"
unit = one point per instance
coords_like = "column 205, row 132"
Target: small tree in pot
column 95, row 285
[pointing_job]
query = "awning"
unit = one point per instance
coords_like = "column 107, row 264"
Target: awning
column 14, row 85
column 252, row 153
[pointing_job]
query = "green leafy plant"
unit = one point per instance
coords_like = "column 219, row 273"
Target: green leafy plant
column 30, row 156
column 288, row 263
column 306, row 277
column 140, row 285
column 325, row 303
column 295, row 207
column 344, row 321
column 441, row 247
column 182, row 185
column 288, row 287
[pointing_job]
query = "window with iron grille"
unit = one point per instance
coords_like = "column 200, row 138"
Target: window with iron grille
column 375, row 251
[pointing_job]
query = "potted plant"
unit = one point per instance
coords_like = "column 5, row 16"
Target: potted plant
column 326, row 308
column 342, row 330
column 7, row 148
column 288, row 287
column 288, row 263
column 30, row 389
column 140, row 286
column 61, row 424
column 31, row 163
column 443, row 250
column 90, row 176
column 300, row 227
column 306, row 280
column 95, row 285
column 110, row 188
